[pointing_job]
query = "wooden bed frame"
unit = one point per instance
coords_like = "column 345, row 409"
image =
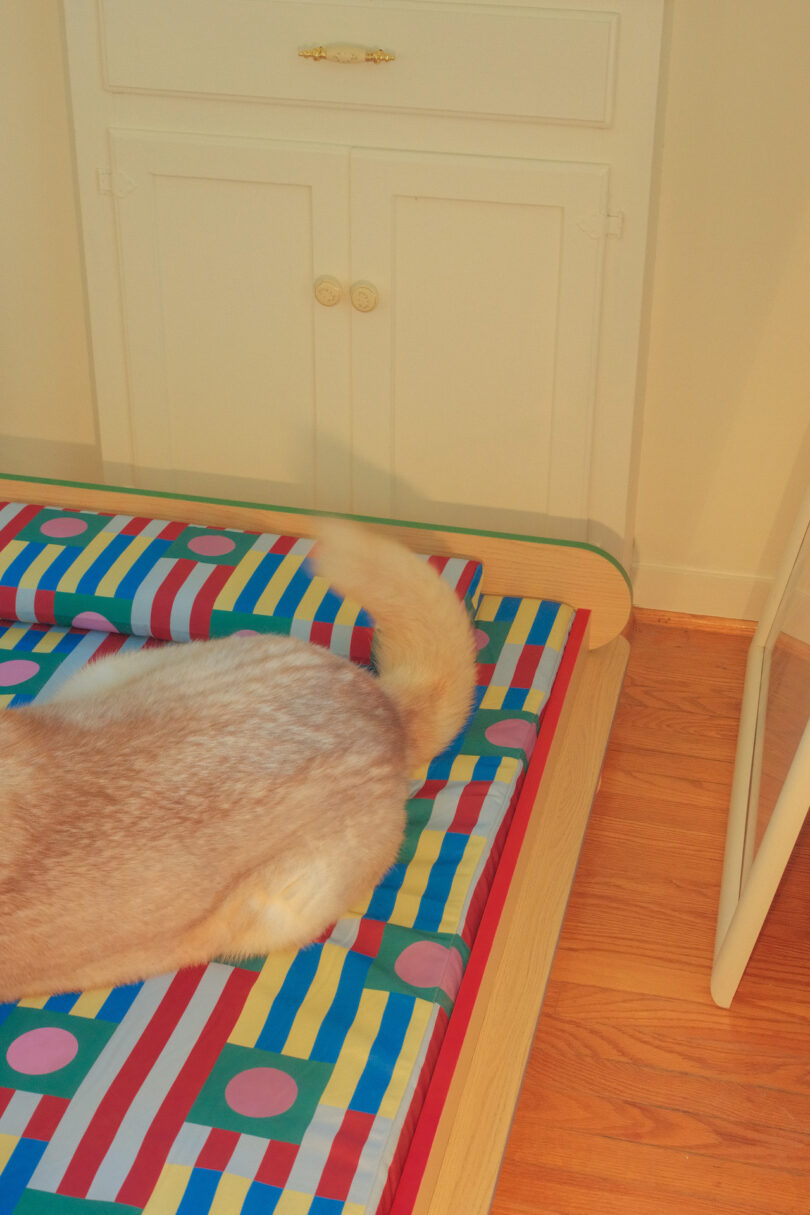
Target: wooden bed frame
column 470, row 1137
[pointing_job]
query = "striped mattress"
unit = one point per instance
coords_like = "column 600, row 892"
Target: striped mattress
column 287, row 1084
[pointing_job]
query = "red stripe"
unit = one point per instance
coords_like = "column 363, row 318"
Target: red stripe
column 134, row 526
column 111, row 644
column 5, row 1096
column 438, row 563
column 360, row 644
column 369, row 937
column 277, row 1163
column 8, row 603
column 142, row 1177
column 217, row 1150
column 43, row 606
column 414, row 1167
column 468, row 810
column 99, row 1135
column 171, row 531
column 321, row 633
column 284, row 544
column 465, row 581
column 199, row 624
column 160, row 618
column 526, row 666
column 344, row 1155
column 20, row 520
column 46, row 1117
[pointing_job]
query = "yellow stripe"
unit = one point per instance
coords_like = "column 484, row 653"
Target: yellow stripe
column 168, row 1193
column 462, row 767
column 493, row 697
column 417, row 876
column 535, row 698
column 34, row 1001
column 459, row 888
column 31, row 577
column 264, row 991
column 488, row 607
column 13, row 634
column 7, row 1146
column 521, row 626
column 353, row 1057
column 312, row 599
column 10, row 553
column 560, row 627
column 238, row 580
column 49, row 641
column 89, row 1003
column 278, row 584
column 316, row 1002
column 230, row 1194
column 108, row 587
column 409, row 1053
column 291, row 1203
column 71, row 577
column 348, row 612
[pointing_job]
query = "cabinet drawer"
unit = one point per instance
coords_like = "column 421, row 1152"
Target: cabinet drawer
column 540, row 63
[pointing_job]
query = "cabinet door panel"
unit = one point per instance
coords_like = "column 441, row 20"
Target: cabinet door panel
column 473, row 380
column 238, row 379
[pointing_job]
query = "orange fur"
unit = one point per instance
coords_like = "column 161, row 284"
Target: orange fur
column 229, row 797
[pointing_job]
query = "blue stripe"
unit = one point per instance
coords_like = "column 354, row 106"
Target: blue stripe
column 433, row 901
column 385, row 894
column 329, row 607
column 297, row 587
column 14, row 573
column 5, row 1010
column 515, row 698
column 18, row 1172
column 88, row 583
column 199, row 1192
column 57, row 569
column 335, row 1025
column 384, row 1053
column 507, row 609
column 63, row 1002
column 287, row 1003
column 133, row 578
column 256, row 583
column 543, row 623
column 261, row 1199
column 118, row 1003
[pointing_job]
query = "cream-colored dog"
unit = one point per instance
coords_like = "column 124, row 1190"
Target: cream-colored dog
column 222, row 798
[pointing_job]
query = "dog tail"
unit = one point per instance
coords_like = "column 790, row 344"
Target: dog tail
column 423, row 646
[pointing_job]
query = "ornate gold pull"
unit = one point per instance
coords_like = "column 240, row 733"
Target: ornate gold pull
column 340, row 52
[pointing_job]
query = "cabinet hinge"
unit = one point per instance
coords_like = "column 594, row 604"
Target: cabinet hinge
column 116, row 183
column 602, row 225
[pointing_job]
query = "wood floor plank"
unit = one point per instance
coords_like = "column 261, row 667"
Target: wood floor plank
column 640, row 1094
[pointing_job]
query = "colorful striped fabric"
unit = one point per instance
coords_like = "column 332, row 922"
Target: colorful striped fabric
column 288, row 1084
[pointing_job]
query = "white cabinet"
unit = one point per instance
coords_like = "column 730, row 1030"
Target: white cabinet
column 470, row 187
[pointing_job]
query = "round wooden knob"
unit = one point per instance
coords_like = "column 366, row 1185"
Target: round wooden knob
column 364, row 297
column 328, row 291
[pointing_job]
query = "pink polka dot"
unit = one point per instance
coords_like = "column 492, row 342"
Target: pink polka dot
column 59, row 528
column 514, row 732
column 261, row 1092
column 43, row 1050
column 481, row 639
column 17, row 670
column 211, row 546
column 246, row 633
column 430, row 964
column 93, row 620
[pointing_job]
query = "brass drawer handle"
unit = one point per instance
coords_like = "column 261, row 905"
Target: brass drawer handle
column 340, row 52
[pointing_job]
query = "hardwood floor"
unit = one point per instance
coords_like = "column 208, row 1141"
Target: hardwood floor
column 641, row 1095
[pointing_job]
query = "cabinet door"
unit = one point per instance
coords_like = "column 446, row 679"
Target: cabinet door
column 473, row 380
column 238, row 379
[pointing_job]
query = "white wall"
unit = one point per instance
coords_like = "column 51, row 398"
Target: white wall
column 726, row 403
column 726, row 442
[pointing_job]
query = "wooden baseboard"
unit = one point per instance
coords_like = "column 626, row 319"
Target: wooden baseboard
column 686, row 620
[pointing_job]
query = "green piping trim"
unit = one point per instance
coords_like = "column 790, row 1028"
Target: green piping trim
column 300, row 510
